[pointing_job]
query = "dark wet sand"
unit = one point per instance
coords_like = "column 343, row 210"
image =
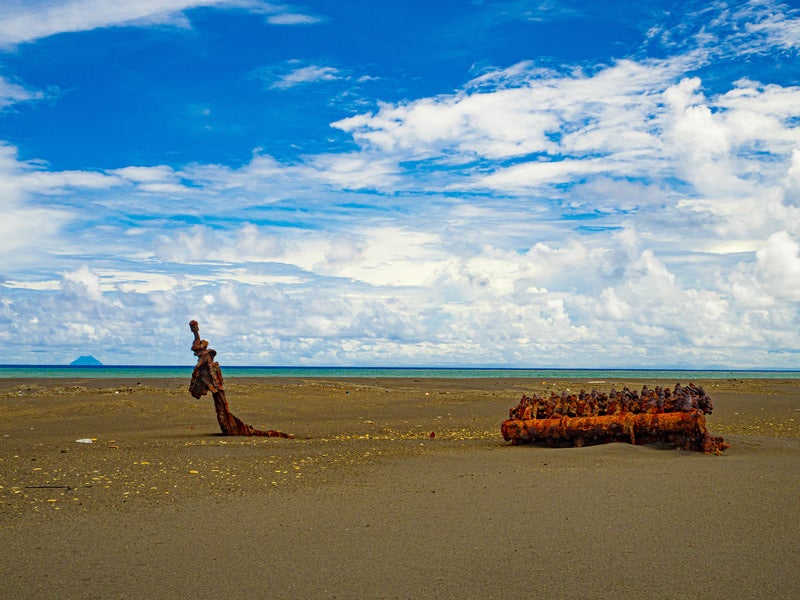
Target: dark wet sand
column 365, row 504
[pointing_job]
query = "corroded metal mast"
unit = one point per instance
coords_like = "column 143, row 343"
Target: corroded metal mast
column 207, row 376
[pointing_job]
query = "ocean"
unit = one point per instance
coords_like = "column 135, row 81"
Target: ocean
column 185, row 372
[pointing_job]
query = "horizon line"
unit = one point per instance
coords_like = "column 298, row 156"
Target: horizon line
column 403, row 367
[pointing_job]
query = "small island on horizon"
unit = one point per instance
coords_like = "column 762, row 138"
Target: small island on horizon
column 86, row 360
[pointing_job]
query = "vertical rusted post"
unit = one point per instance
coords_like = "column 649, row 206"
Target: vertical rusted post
column 207, row 377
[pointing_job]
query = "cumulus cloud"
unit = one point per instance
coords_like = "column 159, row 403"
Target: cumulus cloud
column 536, row 111
column 778, row 266
column 84, row 282
column 546, row 133
column 611, row 123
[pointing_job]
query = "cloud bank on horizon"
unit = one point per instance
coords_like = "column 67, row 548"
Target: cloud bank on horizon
column 510, row 183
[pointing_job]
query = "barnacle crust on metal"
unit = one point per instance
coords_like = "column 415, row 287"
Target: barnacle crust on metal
column 675, row 416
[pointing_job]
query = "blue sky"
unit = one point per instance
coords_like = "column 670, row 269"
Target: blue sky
column 529, row 184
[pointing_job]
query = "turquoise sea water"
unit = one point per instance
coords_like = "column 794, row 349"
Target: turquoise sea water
column 150, row 372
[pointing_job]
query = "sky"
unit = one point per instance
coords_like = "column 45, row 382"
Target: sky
column 486, row 183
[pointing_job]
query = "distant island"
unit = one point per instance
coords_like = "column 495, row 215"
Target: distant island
column 86, row 361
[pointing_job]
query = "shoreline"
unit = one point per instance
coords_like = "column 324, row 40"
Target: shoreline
column 365, row 496
column 57, row 372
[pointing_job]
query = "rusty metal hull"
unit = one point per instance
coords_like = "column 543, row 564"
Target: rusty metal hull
column 685, row 430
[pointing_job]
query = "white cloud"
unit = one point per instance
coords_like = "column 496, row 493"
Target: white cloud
column 388, row 255
column 55, row 182
column 535, row 174
column 792, row 186
column 493, row 125
column 153, row 180
column 721, row 29
column 84, row 282
column 580, row 127
column 13, row 93
column 28, row 20
column 32, row 285
column 22, row 223
column 157, row 174
column 264, row 180
column 20, row 226
column 353, row 171
column 289, row 18
column 778, row 266
column 302, row 75
column 542, row 112
column 768, row 289
column 780, row 28
column 603, row 132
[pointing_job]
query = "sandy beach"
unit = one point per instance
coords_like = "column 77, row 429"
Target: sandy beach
column 366, row 503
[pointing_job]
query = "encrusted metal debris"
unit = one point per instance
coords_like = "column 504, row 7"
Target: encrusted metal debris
column 674, row 416
column 207, row 377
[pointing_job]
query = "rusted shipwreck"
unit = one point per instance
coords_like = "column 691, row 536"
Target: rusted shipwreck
column 674, row 416
column 207, row 377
